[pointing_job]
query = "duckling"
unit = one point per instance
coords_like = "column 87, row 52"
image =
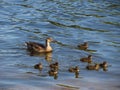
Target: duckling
column 74, row 69
column 93, row 67
column 87, row 59
column 38, row 66
column 83, row 46
column 54, row 65
column 104, row 64
column 40, row 48
column 48, row 57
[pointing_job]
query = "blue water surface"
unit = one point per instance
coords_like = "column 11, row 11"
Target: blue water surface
column 70, row 23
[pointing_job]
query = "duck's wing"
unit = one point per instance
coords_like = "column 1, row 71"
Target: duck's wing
column 34, row 46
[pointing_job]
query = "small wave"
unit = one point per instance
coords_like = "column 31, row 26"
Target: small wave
column 76, row 26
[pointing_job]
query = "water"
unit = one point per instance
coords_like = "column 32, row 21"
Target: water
column 70, row 22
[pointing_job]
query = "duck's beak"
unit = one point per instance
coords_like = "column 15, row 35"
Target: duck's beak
column 54, row 41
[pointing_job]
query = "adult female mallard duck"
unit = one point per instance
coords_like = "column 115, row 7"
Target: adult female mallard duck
column 87, row 59
column 37, row 47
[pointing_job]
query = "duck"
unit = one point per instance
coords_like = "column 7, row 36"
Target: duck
column 83, row 46
column 74, row 69
column 38, row 47
column 87, row 59
column 38, row 66
column 93, row 67
column 54, row 65
column 104, row 64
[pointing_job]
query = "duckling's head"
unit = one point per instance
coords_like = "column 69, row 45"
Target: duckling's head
column 77, row 69
column 56, row 63
column 90, row 56
column 49, row 39
column 104, row 62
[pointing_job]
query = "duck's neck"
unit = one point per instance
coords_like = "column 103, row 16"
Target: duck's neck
column 48, row 47
column 47, row 43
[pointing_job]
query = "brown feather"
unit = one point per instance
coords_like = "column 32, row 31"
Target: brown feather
column 34, row 46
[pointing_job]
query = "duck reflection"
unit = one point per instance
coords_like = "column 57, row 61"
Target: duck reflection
column 48, row 56
column 76, row 74
column 105, row 69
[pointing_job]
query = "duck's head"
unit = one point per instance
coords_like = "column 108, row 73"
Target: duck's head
column 56, row 63
column 77, row 69
column 49, row 39
column 104, row 62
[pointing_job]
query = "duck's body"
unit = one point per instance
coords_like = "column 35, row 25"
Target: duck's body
column 83, row 46
column 53, row 72
column 38, row 66
column 37, row 47
column 93, row 67
column 86, row 59
column 74, row 69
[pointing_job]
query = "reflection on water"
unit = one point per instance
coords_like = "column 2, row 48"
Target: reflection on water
column 70, row 22
column 47, row 56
